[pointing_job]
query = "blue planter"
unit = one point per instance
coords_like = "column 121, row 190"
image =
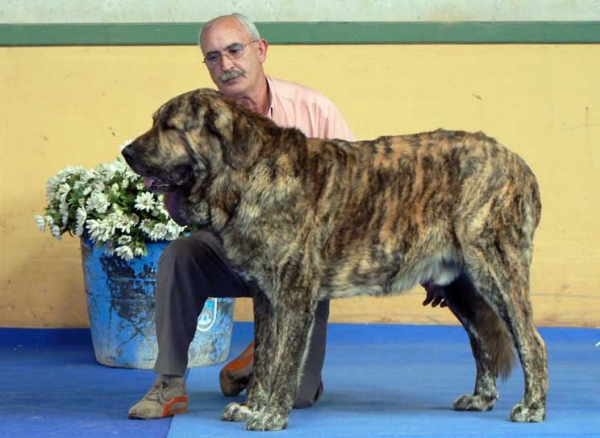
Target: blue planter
column 120, row 299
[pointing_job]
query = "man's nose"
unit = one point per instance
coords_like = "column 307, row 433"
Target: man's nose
column 226, row 63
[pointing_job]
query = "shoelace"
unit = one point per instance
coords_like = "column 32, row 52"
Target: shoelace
column 156, row 392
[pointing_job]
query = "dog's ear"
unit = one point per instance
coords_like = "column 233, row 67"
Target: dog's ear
column 231, row 124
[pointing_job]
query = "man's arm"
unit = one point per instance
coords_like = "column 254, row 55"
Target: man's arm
column 333, row 124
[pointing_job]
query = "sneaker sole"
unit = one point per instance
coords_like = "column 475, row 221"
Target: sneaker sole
column 178, row 405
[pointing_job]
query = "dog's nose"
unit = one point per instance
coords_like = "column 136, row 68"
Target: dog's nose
column 127, row 153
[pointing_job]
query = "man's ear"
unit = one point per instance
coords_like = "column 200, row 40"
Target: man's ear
column 263, row 47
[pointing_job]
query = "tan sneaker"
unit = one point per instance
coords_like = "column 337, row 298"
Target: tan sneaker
column 236, row 375
column 166, row 398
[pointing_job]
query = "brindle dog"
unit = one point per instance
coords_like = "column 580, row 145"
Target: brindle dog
column 312, row 219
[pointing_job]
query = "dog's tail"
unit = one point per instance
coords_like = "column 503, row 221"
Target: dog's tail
column 486, row 328
column 496, row 340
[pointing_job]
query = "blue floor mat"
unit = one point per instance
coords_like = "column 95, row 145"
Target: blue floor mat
column 380, row 381
column 53, row 387
column 396, row 381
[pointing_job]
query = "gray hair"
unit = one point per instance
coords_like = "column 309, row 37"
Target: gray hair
column 242, row 19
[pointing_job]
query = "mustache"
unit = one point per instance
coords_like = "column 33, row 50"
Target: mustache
column 231, row 74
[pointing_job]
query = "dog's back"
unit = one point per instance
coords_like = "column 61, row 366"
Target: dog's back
column 395, row 211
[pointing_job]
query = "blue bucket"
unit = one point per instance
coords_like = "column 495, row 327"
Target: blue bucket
column 120, row 300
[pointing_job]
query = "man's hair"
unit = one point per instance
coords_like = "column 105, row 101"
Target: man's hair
column 242, row 19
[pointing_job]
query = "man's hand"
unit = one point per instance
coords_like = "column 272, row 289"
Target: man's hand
column 435, row 296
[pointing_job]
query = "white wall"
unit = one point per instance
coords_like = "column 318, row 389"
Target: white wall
column 166, row 11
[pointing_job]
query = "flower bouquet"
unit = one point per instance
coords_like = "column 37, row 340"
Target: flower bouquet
column 123, row 229
column 109, row 205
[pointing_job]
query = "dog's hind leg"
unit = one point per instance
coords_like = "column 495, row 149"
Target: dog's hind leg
column 490, row 343
column 258, row 392
column 499, row 271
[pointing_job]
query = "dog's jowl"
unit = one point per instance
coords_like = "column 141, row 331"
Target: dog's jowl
column 311, row 219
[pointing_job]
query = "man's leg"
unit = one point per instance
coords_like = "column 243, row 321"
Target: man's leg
column 189, row 271
column 236, row 375
column 311, row 384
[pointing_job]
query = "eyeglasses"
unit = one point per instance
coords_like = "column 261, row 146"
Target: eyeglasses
column 234, row 51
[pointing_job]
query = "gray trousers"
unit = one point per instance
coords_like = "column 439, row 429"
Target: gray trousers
column 191, row 270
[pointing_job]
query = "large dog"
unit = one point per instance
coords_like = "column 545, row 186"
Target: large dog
column 313, row 219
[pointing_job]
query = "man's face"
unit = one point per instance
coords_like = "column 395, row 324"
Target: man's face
column 233, row 77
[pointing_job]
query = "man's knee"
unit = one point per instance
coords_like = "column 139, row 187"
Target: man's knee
column 188, row 251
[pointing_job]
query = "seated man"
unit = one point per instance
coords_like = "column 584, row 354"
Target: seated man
column 195, row 268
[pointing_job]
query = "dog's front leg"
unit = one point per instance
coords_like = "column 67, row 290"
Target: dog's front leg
column 281, row 362
column 257, row 393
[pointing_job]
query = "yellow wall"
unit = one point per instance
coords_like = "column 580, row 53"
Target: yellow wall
column 76, row 105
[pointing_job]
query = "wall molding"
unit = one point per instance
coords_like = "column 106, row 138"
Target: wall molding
column 116, row 34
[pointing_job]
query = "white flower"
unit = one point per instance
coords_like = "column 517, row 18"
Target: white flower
column 41, row 222
column 124, row 240
column 106, row 171
column 63, row 191
column 123, row 222
column 55, row 231
column 173, row 230
column 147, row 226
column 51, row 185
column 159, row 232
column 160, row 210
column 63, row 207
column 98, row 202
column 100, row 230
column 108, row 204
column 124, row 252
column 80, row 217
column 97, row 184
column 145, row 201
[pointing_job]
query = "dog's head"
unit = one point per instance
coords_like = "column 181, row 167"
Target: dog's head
column 189, row 134
column 198, row 140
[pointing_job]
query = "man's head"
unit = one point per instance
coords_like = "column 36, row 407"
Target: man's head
column 234, row 54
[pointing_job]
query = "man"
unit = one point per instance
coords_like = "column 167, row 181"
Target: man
column 195, row 268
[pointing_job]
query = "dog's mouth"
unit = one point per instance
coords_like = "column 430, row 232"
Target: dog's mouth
column 157, row 186
column 180, row 177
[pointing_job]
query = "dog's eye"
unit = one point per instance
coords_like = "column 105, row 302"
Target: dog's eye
column 168, row 126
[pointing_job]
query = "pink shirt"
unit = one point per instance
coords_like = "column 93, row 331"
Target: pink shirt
column 292, row 106
column 296, row 106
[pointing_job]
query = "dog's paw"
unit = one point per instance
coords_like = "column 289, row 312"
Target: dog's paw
column 264, row 421
column 236, row 412
column 523, row 413
column 470, row 402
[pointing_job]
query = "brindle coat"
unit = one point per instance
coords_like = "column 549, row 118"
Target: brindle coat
column 311, row 219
